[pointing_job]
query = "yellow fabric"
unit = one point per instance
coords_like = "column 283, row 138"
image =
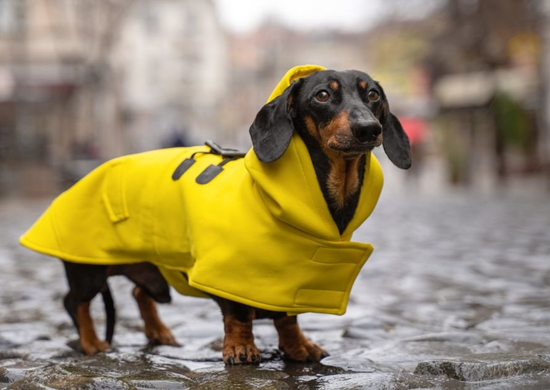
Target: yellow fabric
column 292, row 75
column 258, row 233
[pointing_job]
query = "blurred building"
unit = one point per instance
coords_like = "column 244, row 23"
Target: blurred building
column 82, row 81
column 478, row 72
column 489, row 83
column 173, row 65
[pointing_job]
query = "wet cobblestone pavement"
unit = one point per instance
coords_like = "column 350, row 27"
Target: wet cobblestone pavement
column 455, row 296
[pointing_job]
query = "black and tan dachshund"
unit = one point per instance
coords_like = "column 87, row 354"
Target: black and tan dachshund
column 340, row 116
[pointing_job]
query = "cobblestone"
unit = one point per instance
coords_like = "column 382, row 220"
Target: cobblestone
column 455, row 296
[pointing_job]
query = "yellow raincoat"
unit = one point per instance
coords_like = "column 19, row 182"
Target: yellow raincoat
column 259, row 233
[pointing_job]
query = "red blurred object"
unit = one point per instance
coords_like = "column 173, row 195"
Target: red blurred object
column 416, row 129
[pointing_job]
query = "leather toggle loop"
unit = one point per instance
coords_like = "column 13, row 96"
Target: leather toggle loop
column 212, row 171
column 182, row 168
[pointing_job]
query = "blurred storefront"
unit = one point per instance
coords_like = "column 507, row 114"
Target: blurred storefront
column 85, row 81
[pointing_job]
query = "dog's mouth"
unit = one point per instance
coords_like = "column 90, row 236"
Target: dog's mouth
column 350, row 147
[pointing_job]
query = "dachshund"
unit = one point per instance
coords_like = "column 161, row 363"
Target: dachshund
column 341, row 117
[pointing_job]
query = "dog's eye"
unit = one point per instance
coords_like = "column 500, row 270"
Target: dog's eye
column 322, row 96
column 373, row 96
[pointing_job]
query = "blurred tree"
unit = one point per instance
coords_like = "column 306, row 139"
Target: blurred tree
column 490, row 38
column 478, row 33
column 486, row 35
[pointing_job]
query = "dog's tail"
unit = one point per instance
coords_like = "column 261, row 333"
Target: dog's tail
column 110, row 313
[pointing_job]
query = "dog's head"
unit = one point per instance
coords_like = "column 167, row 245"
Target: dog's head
column 346, row 112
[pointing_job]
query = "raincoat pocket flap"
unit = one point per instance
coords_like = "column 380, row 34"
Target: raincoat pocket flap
column 339, row 255
column 320, row 298
column 113, row 194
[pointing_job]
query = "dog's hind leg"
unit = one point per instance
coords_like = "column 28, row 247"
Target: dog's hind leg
column 151, row 287
column 155, row 330
column 295, row 345
column 85, row 282
column 89, row 342
column 110, row 313
column 70, row 302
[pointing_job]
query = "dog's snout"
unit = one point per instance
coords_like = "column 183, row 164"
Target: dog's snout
column 367, row 131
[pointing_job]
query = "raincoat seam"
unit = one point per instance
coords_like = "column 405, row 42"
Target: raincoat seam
column 56, row 230
column 304, row 176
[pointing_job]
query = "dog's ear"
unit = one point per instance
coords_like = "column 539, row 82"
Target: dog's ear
column 396, row 143
column 272, row 129
column 395, row 140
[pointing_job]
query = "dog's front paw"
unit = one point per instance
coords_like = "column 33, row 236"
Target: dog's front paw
column 303, row 350
column 93, row 346
column 160, row 335
column 235, row 353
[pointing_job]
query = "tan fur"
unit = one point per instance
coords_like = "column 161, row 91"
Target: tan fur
column 311, row 127
column 334, row 85
column 238, row 343
column 293, row 343
column 363, row 84
column 155, row 330
column 328, row 134
column 89, row 341
column 343, row 178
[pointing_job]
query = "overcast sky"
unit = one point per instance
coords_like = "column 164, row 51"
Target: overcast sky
column 346, row 15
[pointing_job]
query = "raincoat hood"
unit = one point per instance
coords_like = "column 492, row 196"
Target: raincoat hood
column 258, row 233
column 290, row 188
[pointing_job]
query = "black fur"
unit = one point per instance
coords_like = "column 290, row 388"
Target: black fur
column 275, row 116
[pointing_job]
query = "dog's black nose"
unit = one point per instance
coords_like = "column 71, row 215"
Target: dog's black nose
column 367, row 132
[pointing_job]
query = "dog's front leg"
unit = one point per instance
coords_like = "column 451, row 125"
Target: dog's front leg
column 238, row 343
column 295, row 345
